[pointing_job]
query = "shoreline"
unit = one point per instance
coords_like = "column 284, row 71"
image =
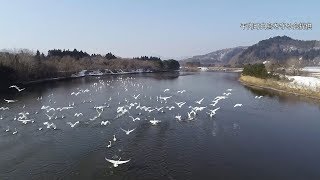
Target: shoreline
column 73, row 76
column 211, row 69
column 278, row 86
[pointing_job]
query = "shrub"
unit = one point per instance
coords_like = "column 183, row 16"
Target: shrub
column 171, row 64
column 256, row 70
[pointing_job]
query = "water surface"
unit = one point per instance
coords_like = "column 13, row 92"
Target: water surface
column 275, row 137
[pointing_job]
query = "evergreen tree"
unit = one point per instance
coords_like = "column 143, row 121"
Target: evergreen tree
column 37, row 56
column 110, row 56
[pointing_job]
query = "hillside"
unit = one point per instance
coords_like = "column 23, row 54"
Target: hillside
column 279, row 49
column 220, row 57
column 283, row 50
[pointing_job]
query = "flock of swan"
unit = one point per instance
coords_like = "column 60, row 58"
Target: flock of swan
column 130, row 108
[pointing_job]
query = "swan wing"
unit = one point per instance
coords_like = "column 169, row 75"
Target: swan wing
column 123, row 162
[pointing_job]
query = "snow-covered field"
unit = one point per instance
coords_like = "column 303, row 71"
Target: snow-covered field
column 314, row 69
column 305, row 82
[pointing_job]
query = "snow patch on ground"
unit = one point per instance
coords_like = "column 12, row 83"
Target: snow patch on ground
column 203, row 68
column 222, row 55
column 95, row 73
column 79, row 74
column 305, row 82
column 311, row 69
column 107, row 71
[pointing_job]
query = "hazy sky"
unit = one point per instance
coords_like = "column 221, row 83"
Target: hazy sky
column 165, row 28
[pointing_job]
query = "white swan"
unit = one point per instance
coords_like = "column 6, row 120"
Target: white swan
column 136, row 97
column 50, row 125
column 78, row 114
column 17, row 88
column 166, row 90
column 105, row 122
column 181, row 91
column 213, row 111
column 4, row 108
column 50, row 117
column 190, row 117
column 215, row 102
column 64, row 108
column 200, row 101
column 128, row 131
column 109, row 145
column 10, row 101
column 25, row 121
column 170, row 108
column 154, row 121
column 180, row 104
column 15, row 131
column 135, row 119
column 116, row 163
column 72, row 125
column 178, row 117
column 165, row 98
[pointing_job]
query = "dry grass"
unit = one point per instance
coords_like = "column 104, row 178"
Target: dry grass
column 283, row 86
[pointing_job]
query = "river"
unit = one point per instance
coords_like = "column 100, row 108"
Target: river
column 274, row 137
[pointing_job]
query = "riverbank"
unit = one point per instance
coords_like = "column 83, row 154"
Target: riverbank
column 285, row 86
column 211, row 69
column 85, row 73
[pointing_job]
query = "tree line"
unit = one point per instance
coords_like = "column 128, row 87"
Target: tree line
column 74, row 54
column 26, row 65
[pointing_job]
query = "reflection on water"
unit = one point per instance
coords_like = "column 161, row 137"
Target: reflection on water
column 267, row 138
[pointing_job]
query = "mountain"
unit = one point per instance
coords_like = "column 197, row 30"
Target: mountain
column 220, row 57
column 279, row 49
column 282, row 50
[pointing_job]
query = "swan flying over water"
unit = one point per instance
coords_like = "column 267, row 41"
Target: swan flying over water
column 73, row 124
column 109, row 145
column 105, row 122
column 134, row 119
column 10, row 101
column 200, row 101
column 116, row 163
column 128, row 131
column 17, row 88
column 178, row 117
column 154, row 121
column 166, row 90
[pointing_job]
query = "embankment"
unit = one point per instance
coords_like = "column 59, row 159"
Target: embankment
column 280, row 85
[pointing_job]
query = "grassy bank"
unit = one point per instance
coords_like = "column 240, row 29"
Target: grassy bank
column 279, row 85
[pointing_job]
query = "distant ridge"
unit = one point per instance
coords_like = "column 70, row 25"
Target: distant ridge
column 279, row 49
column 219, row 57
